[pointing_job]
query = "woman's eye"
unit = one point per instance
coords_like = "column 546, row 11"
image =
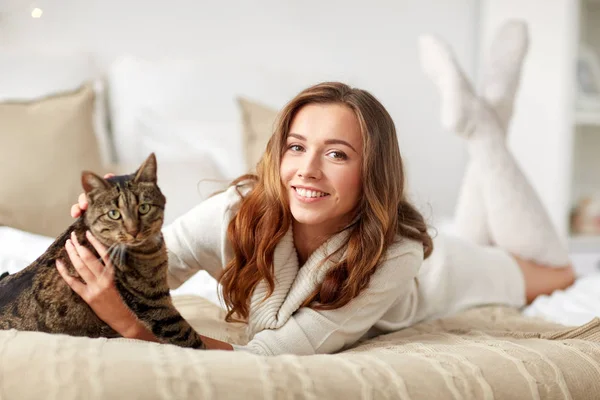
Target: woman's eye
column 295, row 147
column 144, row 208
column 338, row 155
column 114, row 214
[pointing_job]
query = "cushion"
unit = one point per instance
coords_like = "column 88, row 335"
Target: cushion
column 28, row 74
column 46, row 144
column 258, row 123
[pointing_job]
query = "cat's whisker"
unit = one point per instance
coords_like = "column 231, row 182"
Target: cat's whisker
column 111, row 252
column 123, row 250
column 118, row 255
column 108, row 252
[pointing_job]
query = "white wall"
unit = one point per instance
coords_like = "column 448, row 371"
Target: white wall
column 373, row 40
column 541, row 134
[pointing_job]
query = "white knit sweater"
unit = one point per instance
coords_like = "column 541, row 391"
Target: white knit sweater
column 279, row 325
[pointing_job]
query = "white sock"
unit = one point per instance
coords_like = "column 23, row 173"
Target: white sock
column 515, row 216
column 502, row 68
column 438, row 63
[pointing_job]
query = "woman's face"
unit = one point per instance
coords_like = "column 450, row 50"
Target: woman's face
column 321, row 166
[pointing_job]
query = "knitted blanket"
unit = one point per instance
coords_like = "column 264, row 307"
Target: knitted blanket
column 483, row 353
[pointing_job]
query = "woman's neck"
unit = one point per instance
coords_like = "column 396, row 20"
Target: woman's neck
column 308, row 238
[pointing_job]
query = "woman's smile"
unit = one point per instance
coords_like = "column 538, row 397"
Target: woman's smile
column 309, row 195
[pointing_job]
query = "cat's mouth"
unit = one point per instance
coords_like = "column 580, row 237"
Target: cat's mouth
column 130, row 241
column 134, row 242
column 139, row 240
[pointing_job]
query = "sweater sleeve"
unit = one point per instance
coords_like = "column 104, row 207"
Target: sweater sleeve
column 198, row 239
column 310, row 331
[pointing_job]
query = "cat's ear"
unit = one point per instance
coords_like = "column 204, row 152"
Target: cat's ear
column 147, row 171
column 91, row 181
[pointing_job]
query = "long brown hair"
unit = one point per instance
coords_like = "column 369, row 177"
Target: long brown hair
column 264, row 215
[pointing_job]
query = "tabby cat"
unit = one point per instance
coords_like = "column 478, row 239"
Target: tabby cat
column 125, row 213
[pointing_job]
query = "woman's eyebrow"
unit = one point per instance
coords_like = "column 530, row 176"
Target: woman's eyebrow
column 328, row 141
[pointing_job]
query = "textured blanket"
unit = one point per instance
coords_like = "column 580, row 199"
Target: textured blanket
column 484, row 353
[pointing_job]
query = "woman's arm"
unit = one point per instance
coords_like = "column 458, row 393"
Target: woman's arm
column 100, row 293
column 309, row 331
column 198, row 239
column 139, row 331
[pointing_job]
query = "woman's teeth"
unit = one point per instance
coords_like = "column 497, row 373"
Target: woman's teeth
column 309, row 193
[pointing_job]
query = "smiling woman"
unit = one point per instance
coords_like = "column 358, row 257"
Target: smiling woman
column 331, row 178
column 321, row 169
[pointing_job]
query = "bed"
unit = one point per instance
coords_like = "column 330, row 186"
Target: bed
column 549, row 350
column 484, row 353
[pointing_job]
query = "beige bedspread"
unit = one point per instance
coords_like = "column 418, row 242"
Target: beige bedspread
column 485, row 353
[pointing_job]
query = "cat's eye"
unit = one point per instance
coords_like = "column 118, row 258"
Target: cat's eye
column 114, row 214
column 144, row 208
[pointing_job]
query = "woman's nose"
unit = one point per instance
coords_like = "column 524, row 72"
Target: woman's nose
column 309, row 169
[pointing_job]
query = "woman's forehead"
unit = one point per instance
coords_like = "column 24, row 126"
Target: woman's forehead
column 327, row 121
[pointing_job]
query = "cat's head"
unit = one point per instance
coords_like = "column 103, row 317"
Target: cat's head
column 127, row 209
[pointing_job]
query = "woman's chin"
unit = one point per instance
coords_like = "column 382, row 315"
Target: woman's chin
column 311, row 220
column 308, row 220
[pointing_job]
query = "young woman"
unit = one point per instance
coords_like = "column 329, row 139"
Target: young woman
column 322, row 247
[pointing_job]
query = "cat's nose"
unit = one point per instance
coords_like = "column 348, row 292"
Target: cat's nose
column 133, row 231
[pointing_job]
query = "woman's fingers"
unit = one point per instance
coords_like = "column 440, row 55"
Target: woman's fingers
column 75, row 284
column 100, row 248
column 80, row 207
column 82, row 201
column 78, row 263
column 109, row 175
column 106, row 276
column 89, row 259
column 75, row 211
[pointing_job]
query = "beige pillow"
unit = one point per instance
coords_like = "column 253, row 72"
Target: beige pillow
column 258, row 124
column 45, row 144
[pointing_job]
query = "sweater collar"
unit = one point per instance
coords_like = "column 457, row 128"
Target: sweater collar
column 293, row 285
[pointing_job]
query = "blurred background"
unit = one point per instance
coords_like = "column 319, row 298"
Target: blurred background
column 199, row 82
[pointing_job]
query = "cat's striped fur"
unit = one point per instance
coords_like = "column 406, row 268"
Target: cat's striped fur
column 38, row 299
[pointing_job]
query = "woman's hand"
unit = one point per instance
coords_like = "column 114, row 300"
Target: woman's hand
column 82, row 202
column 99, row 290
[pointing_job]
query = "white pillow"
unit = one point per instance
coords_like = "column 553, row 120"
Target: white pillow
column 180, row 89
column 33, row 74
column 175, row 139
column 187, row 183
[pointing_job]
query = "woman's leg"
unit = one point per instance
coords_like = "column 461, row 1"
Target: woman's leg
column 501, row 76
column 516, row 218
